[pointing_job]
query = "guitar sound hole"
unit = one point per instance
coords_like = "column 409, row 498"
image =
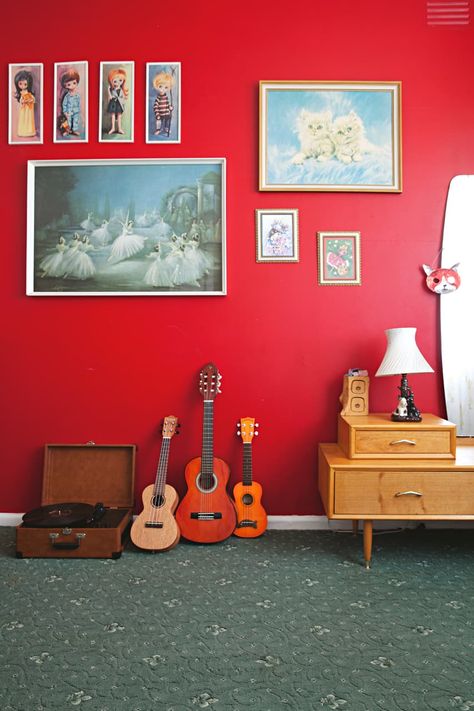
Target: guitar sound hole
column 206, row 484
column 247, row 499
column 158, row 501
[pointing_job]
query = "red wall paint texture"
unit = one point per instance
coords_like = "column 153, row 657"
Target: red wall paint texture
column 109, row 369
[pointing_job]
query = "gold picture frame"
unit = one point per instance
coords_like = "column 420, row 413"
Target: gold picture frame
column 277, row 238
column 339, row 259
column 330, row 136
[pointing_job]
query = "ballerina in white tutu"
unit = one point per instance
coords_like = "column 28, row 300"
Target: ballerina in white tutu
column 161, row 230
column 88, row 225
column 145, row 220
column 127, row 244
column 83, row 267
column 101, row 236
column 204, row 261
column 160, row 270
column 71, row 255
column 185, row 269
column 53, row 264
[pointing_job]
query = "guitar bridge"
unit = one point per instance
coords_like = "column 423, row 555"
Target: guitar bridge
column 154, row 524
column 206, row 515
column 246, row 523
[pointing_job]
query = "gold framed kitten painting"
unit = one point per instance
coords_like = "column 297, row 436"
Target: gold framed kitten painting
column 330, row 136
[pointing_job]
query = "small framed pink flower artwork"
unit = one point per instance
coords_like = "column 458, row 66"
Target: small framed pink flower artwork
column 277, row 235
column 339, row 258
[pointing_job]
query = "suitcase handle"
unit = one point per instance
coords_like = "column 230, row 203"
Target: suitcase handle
column 66, row 545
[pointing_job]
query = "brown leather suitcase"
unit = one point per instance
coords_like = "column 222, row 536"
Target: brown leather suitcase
column 87, row 474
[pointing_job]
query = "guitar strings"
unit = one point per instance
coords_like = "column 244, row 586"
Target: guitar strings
column 159, row 489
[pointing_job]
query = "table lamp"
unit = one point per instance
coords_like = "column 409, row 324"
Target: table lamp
column 401, row 357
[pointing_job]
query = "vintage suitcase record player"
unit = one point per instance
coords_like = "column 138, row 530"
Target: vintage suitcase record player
column 87, row 503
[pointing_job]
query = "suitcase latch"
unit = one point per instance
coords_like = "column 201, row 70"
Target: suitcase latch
column 66, row 545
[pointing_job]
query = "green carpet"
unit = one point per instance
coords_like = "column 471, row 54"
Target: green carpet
column 288, row 621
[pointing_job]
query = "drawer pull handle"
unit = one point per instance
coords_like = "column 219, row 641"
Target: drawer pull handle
column 408, row 493
column 403, row 441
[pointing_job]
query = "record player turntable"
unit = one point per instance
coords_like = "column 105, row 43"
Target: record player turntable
column 87, row 501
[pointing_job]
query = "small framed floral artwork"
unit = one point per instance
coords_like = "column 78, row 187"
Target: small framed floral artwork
column 163, row 102
column 70, row 102
column 339, row 258
column 116, row 102
column 277, row 235
column 25, row 124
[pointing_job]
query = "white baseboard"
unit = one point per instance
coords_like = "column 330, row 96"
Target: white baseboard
column 10, row 519
column 321, row 523
column 310, row 523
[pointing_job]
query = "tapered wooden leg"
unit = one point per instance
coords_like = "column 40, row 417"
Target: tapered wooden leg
column 355, row 527
column 367, row 543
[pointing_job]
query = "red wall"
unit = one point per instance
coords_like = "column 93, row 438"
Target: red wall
column 110, row 368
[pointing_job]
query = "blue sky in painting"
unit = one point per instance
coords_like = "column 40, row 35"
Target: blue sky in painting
column 144, row 184
column 373, row 107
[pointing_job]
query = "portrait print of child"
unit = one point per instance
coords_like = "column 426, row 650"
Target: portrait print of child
column 163, row 102
column 116, row 101
column 25, row 103
column 70, row 102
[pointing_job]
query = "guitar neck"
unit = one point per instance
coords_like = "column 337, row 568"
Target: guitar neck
column 247, row 464
column 162, row 468
column 207, row 456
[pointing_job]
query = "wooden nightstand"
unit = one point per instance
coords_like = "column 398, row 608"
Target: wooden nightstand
column 380, row 487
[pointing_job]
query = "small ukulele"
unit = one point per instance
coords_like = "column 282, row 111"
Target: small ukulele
column 155, row 529
column 206, row 514
column 251, row 516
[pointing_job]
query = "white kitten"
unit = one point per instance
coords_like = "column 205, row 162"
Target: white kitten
column 314, row 133
column 348, row 137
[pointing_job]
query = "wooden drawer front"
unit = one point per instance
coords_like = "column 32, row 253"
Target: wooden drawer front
column 386, row 492
column 411, row 443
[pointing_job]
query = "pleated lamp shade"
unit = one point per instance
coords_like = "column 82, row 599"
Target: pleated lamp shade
column 402, row 354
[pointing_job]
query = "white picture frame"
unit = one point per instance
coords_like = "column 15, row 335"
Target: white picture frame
column 115, row 214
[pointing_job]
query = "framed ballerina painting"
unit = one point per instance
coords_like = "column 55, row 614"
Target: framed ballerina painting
column 25, row 124
column 330, row 136
column 126, row 227
column 116, row 92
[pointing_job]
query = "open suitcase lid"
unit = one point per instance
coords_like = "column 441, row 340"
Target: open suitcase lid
column 89, row 473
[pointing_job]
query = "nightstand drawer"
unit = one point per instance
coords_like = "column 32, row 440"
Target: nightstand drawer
column 404, row 441
column 403, row 493
column 376, row 437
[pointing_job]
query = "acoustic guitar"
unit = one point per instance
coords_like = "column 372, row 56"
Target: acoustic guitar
column 155, row 529
column 206, row 514
column 251, row 516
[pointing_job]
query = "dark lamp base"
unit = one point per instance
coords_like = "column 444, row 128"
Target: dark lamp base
column 407, row 418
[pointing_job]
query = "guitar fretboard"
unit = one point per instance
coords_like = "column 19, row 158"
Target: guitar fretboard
column 207, row 457
column 160, row 479
column 247, row 464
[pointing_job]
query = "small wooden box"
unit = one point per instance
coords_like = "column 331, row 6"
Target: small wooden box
column 377, row 437
column 88, row 474
column 355, row 395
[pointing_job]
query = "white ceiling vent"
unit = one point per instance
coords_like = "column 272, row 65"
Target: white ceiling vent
column 448, row 13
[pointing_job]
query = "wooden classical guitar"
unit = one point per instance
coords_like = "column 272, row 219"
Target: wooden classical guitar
column 251, row 516
column 206, row 514
column 155, row 529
